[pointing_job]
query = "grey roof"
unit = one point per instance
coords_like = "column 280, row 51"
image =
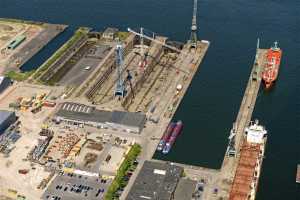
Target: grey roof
column 128, row 118
column 185, row 189
column 4, row 115
column 110, row 30
column 4, row 83
column 155, row 185
column 81, row 112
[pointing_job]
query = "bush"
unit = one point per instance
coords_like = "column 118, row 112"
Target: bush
column 122, row 35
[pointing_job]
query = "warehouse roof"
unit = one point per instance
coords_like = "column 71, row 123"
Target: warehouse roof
column 81, row 112
column 128, row 118
column 156, row 179
column 185, row 189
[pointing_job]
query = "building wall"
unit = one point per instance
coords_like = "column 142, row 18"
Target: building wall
column 113, row 126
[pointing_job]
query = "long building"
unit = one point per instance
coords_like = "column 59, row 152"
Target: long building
column 118, row 120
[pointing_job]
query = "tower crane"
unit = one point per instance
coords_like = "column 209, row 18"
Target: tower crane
column 143, row 61
column 154, row 40
column 120, row 88
column 193, row 38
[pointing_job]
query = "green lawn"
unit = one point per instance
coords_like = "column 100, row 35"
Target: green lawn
column 124, row 168
column 19, row 76
column 122, row 35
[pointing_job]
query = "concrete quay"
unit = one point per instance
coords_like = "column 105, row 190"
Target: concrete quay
column 217, row 182
column 187, row 65
column 243, row 119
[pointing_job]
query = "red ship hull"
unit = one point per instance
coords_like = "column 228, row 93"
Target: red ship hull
column 271, row 69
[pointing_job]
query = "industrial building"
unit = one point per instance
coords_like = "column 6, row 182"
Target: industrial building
column 185, row 189
column 16, row 42
column 110, row 33
column 6, row 119
column 156, row 180
column 5, row 82
column 87, row 115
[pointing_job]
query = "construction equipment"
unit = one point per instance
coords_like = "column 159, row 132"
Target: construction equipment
column 142, row 35
column 120, row 88
column 193, row 38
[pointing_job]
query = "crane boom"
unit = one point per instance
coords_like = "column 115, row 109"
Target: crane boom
column 120, row 90
column 154, row 40
column 193, row 39
column 194, row 20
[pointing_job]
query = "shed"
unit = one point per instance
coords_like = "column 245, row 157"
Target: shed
column 110, row 33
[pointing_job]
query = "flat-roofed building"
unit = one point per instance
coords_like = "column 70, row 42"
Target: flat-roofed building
column 88, row 115
column 110, row 33
column 156, row 180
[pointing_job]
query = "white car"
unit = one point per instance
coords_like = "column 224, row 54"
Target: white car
column 87, row 68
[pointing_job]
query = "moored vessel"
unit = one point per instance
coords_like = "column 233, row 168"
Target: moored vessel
column 166, row 136
column 248, row 171
column 298, row 174
column 174, row 135
column 271, row 69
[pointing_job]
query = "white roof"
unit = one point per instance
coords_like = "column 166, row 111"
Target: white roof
column 160, row 172
column 1, row 79
column 255, row 134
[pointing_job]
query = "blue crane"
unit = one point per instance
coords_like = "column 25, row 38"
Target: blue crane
column 120, row 88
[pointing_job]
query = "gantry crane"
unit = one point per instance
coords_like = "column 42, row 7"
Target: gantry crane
column 193, row 38
column 143, row 55
column 120, row 88
column 154, row 40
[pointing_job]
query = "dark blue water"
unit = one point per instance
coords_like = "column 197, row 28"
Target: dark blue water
column 213, row 100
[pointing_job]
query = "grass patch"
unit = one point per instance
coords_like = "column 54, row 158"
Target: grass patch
column 20, row 21
column 122, row 35
column 19, row 76
column 124, row 168
column 77, row 35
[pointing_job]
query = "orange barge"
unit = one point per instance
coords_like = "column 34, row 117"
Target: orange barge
column 271, row 69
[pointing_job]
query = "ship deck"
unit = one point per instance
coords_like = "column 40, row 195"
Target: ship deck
column 298, row 174
column 246, row 172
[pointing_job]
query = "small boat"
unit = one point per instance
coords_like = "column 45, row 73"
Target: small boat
column 166, row 136
column 174, row 135
column 298, row 174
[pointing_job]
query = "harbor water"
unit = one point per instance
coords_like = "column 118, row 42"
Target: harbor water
column 212, row 102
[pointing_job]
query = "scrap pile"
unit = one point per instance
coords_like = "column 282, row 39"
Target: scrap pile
column 61, row 147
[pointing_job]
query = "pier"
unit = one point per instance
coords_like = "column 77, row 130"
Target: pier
column 244, row 116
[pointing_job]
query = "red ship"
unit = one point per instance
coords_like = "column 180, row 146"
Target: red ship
column 271, row 69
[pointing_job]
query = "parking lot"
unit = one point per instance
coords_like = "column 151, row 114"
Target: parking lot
column 71, row 186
